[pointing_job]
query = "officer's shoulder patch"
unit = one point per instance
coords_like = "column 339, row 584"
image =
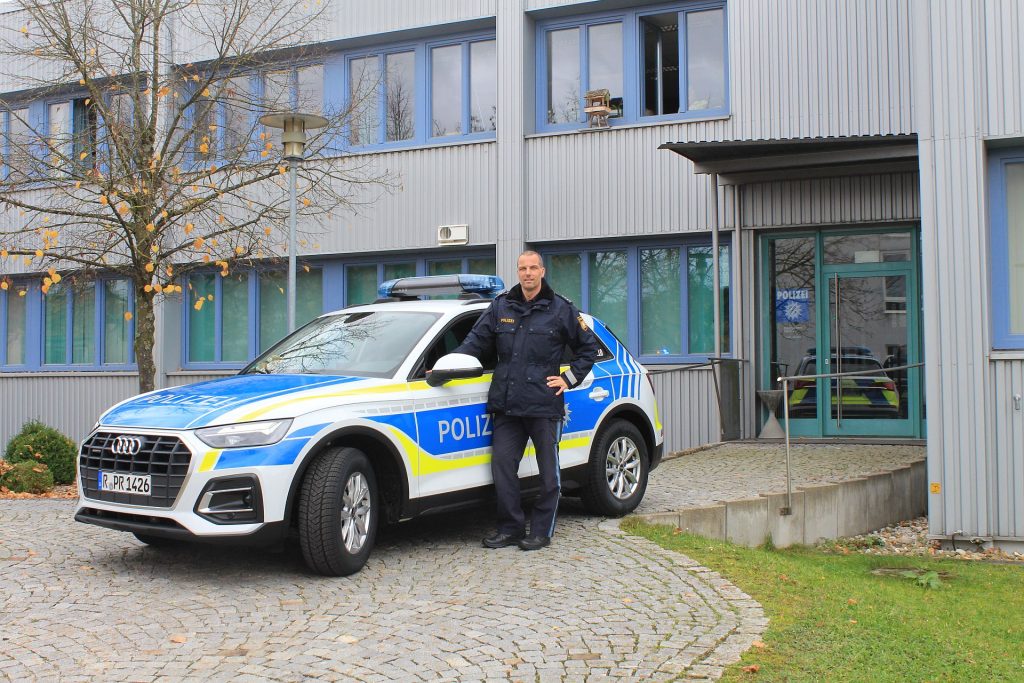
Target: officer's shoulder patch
column 582, row 322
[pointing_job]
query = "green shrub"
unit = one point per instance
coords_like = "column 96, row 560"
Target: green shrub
column 28, row 477
column 38, row 443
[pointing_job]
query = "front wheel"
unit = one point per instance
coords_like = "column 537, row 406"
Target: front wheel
column 617, row 471
column 338, row 511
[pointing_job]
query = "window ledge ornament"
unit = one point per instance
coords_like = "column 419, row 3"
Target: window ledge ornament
column 597, row 107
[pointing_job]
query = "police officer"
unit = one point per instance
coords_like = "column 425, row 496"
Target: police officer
column 528, row 328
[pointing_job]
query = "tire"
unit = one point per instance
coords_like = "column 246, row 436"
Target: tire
column 616, row 476
column 158, row 541
column 338, row 511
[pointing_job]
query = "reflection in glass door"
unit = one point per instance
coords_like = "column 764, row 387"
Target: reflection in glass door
column 845, row 302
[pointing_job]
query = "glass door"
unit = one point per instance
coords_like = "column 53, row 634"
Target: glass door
column 844, row 301
column 868, row 332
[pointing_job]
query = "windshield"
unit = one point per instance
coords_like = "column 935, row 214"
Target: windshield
column 364, row 344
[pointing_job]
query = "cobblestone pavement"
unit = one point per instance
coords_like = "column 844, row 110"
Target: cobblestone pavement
column 739, row 470
column 85, row 603
column 81, row 603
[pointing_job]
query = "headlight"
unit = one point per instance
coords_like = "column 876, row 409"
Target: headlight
column 245, row 434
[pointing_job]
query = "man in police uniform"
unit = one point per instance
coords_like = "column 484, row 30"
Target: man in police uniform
column 528, row 328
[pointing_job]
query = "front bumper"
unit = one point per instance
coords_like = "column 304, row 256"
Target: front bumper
column 191, row 499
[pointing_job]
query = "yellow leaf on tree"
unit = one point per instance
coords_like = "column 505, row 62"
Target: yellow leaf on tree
column 306, row 201
column 39, row 253
column 189, row 228
column 239, row 250
column 22, row 292
column 127, row 315
column 204, row 148
column 3, row 253
column 198, row 305
column 83, row 155
column 148, row 288
column 4, row 285
column 206, row 92
column 209, row 297
column 158, row 287
column 56, row 277
column 104, row 200
column 47, row 281
column 306, row 268
column 150, row 227
column 149, row 267
column 198, row 243
column 155, row 248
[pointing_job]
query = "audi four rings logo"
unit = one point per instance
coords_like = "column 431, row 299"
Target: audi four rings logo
column 126, row 445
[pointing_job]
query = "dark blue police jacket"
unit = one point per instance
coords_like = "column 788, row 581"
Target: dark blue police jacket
column 529, row 339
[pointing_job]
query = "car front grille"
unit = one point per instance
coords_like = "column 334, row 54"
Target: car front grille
column 164, row 458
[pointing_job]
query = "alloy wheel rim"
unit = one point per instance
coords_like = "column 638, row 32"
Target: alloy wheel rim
column 622, row 467
column 355, row 512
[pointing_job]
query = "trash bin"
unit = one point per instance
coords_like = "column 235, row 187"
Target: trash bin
column 728, row 374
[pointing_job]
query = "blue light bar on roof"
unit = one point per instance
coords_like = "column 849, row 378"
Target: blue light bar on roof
column 487, row 286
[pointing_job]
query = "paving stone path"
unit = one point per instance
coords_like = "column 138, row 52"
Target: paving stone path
column 81, row 603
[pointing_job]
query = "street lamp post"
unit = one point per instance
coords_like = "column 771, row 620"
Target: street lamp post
column 293, row 137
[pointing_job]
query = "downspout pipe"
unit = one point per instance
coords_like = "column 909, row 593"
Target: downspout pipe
column 717, row 296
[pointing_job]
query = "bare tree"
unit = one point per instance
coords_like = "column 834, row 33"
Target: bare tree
column 157, row 164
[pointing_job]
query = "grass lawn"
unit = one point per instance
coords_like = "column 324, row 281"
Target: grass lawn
column 832, row 618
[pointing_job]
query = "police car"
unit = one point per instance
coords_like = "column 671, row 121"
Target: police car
column 340, row 427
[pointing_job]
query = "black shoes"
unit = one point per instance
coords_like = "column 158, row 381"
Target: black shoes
column 534, row 543
column 502, row 540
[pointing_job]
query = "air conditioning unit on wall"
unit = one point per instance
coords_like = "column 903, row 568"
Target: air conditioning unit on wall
column 452, row 234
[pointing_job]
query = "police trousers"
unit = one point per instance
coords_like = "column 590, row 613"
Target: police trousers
column 509, row 443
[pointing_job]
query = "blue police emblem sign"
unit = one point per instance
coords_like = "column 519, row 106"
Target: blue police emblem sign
column 792, row 305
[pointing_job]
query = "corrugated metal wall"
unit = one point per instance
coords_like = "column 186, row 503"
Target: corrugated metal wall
column 70, row 402
column 1007, row 462
column 975, row 444
column 861, row 199
column 446, row 185
column 688, row 407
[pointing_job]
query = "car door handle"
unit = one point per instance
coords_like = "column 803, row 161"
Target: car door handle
column 598, row 394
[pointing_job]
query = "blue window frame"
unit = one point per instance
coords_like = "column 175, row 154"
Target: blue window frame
column 71, row 326
column 362, row 278
column 419, row 93
column 657, row 297
column 658, row 63
column 1006, row 237
column 224, row 120
column 229, row 319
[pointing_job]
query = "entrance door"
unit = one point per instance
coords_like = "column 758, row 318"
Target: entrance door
column 840, row 301
column 868, row 332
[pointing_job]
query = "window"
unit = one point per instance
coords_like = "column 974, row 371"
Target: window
column 16, row 140
column 669, row 63
column 77, row 325
column 1006, row 197
column 431, row 91
column 232, row 319
column 362, row 280
column 658, row 299
column 299, row 89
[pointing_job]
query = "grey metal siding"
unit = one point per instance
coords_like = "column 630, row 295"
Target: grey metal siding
column 860, row 199
column 70, row 402
column 949, row 57
column 687, row 406
column 453, row 184
column 1007, row 425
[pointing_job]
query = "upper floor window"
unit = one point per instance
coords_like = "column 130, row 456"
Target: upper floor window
column 1006, row 237
column 423, row 92
column 667, row 63
column 79, row 325
column 658, row 299
column 225, row 116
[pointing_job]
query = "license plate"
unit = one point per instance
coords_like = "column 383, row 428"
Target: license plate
column 124, row 483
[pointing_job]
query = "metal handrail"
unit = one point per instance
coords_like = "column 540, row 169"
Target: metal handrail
column 788, row 510
column 711, row 362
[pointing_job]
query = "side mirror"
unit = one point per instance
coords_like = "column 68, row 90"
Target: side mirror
column 454, row 366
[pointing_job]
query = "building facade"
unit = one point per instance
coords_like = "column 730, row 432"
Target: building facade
column 857, row 163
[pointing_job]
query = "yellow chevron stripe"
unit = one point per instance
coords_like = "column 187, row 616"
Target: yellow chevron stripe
column 405, row 387
column 209, row 461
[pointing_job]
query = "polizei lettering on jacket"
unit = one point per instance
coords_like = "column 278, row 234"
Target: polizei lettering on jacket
column 460, row 428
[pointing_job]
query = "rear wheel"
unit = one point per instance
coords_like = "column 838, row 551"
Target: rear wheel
column 617, row 471
column 338, row 512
